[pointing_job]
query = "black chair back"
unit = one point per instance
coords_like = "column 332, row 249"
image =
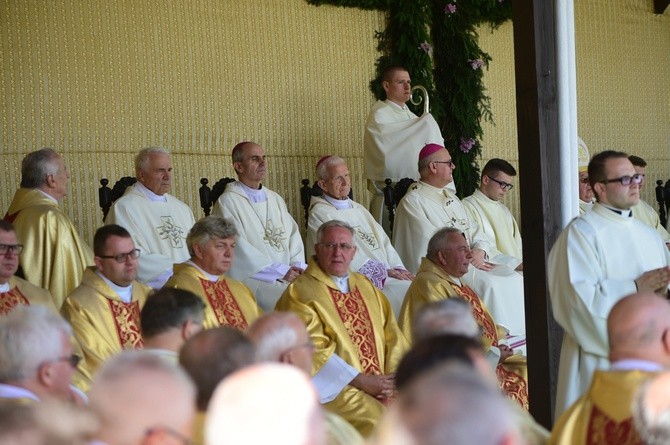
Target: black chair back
column 107, row 196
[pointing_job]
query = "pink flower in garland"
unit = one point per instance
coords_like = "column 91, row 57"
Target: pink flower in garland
column 427, row 47
column 476, row 64
column 467, row 144
column 450, row 8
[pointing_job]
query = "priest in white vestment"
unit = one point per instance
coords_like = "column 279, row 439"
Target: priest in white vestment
column 600, row 257
column 485, row 208
column 269, row 253
column 393, row 138
column 642, row 210
column 375, row 256
column 157, row 221
column 429, row 206
column 586, row 198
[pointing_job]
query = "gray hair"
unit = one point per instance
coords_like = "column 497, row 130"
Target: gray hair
column 273, row 334
column 142, row 158
column 652, row 426
column 37, row 166
column 333, row 223
column 29, row 337
column 209, row 228
column 447, row 316
column 439, row 241
column 466, row 408
column 322, row 168
column 422, row 164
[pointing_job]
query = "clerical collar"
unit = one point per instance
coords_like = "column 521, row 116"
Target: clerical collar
column 254, row 195
column 151, row 196
column 48, row 196
column 124, row 293
column 628, row 213
column 16, row 392
column 456, row 281
column 4, row 287
column 339, row 204
column 402, row 107
column 342, row 283
column 631, row 364
column 207, row 275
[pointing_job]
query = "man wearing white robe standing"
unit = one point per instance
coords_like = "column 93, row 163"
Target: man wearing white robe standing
column 375, row 256
column 269, row 253
column 642, row 210
column 485, row 208
column 430, row 205
column 157, row 221
column 393, row 138
column 600, row 257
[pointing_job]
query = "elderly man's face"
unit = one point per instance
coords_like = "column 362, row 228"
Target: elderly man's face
column 443, row 166
column 216, row 256
column 335, row 251
column 157, row 175
column 252, row 168
column 398, row 90
column 58, row 377
column 455, row 259
column 61, row 179
column 9, row 262
column 120, row 273
column 338, row 184
column 585, row 190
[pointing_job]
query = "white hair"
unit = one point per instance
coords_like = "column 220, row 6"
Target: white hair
column 273, row 334
column 652, row 423
column 322, row 169
column 29, row 337
column 446, row 316
column 142, row 157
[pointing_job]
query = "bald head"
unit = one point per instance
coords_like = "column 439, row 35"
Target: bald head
column 292, row 415
column 637, row 329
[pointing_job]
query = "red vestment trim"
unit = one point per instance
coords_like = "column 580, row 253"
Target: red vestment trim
column 8, row 300
column 354, row 314
column 514, row 386
column 224, row 304
column 603, row 430
column 482, row 319
column 10, row 218
column 126, row 318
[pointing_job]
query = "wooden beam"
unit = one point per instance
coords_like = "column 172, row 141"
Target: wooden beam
column 660, row 6
column 539, row 164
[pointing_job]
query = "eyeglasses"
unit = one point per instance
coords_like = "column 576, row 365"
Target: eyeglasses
column 13, row 248
column 626, row 180
column 584, row 180
column 72, row 359
column 449, row 162
column 503, row 185
column 170, row 432
column 332, row 246
column 122, row 257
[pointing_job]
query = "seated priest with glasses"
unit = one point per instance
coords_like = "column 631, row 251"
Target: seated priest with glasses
column 104, row 310
column 357, row 341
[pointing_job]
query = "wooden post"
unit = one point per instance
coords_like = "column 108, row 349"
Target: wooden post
column 539, row 164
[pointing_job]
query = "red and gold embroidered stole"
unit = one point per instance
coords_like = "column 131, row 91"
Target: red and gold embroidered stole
column 603, row 430
column 126, row 318
column 224, row 304
column 354, row 314
column 8, row 300
column 514, row 385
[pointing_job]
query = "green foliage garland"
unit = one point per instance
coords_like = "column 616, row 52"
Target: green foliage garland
column 438, row 43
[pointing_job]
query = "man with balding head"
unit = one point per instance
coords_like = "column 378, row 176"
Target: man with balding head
column 600, row 257
column 157, row 221
column 54, row 256
column 637, row 328
column 269, row 252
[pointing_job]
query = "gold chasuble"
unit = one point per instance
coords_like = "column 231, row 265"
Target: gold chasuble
column 102, row 323
column 358, row 326
column 22, row 292
column 227, row 302
column 603, row 415
column 54, row 257
column 433, row 284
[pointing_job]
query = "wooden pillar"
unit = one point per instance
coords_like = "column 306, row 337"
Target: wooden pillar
column 539, row 164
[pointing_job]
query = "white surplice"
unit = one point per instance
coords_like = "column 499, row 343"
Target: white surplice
column 498, row 225
column 374, row 249
column 268, row 244
column 426, row 209
column 158, row 228
column 646, row 214
column 592, row 265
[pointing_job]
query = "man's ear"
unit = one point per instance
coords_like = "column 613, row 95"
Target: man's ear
column 197, row 250
column 237, row 166
column 45, row 374
column 385, row 85
column 321, row 183
column 598, row 188
column 441, row 257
